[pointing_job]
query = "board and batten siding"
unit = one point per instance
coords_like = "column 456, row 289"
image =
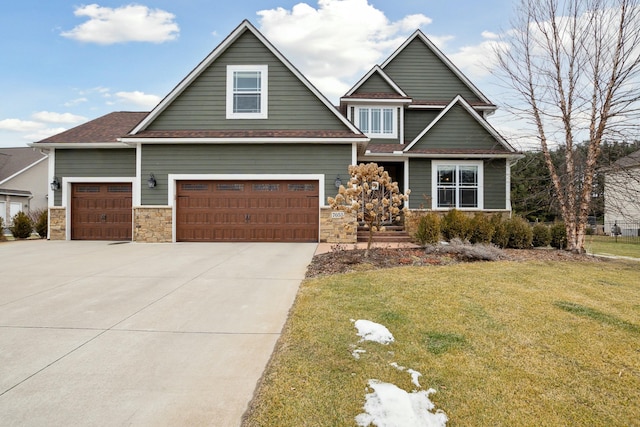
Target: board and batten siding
column 458, row 129
column 494, row 183
column 291, row 105
column 93, row 162
column 162, row 160
column 423, row 76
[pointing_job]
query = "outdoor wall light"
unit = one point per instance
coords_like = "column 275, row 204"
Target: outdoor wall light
column 151, row 182
column 55, row 184
column 338, row 182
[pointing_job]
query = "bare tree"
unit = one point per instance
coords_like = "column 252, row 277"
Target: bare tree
column 372, row 195
column 575, row 66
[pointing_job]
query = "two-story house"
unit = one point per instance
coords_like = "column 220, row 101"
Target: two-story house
column 245, row 148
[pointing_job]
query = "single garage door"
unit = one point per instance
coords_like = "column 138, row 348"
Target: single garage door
column 247, row 211
column 101, row 211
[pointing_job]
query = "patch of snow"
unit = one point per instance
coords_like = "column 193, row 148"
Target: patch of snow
column 414, row 374
column 357, row 352
column 371, row 331
column 390, row 406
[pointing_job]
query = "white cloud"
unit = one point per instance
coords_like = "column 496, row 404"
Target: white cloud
column 50, row 117
column 338, row 42
column 17, row 125
column 129, row 23
column 43, row 133
column 139, row 98
column 477, row 61
column 75, row 102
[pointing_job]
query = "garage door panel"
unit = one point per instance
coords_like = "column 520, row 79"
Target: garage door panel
column 247, row 211
column 101, row 211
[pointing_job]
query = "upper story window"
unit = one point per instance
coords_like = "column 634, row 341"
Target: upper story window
column 377, row 122
column 247, row 91
column 457, row 185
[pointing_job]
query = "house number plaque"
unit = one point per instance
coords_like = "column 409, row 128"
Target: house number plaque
column 335, row 215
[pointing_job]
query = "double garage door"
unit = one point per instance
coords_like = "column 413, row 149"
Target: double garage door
column 207, row 211
column 247, row 211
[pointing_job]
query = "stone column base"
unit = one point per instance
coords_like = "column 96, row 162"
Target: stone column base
column 57, row 223
column 338, row 226
column 153, row 224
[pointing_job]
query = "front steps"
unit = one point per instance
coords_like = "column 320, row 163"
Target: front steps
column 391, row 234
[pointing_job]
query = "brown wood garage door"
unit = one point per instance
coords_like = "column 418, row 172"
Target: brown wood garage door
column 101, row 211
column 249, row 211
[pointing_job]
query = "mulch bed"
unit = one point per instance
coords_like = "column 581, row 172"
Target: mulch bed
column 341, row 260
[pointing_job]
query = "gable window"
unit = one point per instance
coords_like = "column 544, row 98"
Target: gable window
column 457, row 185
column 247, row 91
column 377, row 122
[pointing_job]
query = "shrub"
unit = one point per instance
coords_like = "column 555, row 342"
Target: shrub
column 481, row 229
column 2, row 238
column 519, row 232
column 541, row 235
column 558, row 235
column 22, row 226
column 500, row 236
column 41, row 223
column 455, row 225
column 428, row 232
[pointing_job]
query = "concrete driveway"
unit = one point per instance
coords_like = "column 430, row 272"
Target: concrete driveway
column 93, row 333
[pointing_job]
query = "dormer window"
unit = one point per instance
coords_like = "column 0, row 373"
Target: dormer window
column 247, row 91
column 377, row 122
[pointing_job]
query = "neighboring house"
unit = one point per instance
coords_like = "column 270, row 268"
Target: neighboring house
column 622, row 196
column 246, row 149
column 23, row 181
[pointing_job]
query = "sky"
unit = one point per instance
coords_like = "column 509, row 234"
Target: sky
column 63, row 63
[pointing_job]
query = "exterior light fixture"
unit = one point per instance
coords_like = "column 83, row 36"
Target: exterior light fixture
column 338, row 182
column 151, row 182
column 55, row 184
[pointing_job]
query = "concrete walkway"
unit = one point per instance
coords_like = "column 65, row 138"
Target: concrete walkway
column 93, row 333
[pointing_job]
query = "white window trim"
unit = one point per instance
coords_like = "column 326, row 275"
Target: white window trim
column 264, row 80
column 394, row 118
column 434, row 182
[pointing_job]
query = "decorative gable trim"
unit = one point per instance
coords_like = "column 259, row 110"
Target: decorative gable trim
column 459, row 100
column 221, row 48
column 419, row 34
column 385, row 77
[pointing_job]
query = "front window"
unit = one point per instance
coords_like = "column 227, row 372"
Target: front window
column 377, row 122
column 457, row 185
column 247, row 91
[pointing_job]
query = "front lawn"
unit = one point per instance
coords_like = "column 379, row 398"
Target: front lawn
column 607, row 245
column 502, row 343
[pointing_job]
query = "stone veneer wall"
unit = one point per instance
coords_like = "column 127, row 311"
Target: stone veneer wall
column 57, row 223
column 343, row 229
column 152, row 224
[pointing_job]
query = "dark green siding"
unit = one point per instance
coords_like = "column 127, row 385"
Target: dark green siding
column 494, row 183
column 420, row 183
column 161, row 160
column 375, row 84
column 202, row 105
column 495, row 175
column 423, row 76
column 415, row 121
column 458, row 129
column 94, row 163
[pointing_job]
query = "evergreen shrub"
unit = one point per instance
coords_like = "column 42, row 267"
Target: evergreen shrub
column 22, row 226
column 428, row 232
column 541, row 235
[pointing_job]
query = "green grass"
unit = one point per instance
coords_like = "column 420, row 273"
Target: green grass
column 607, row 245
column 503, row 344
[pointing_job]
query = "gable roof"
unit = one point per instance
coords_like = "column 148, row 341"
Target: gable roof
column 630, row 161
column 107, row 129
column 211, row 58
column 419, row 35
column 14, row 161
column 459, row 100
column 398, row 92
